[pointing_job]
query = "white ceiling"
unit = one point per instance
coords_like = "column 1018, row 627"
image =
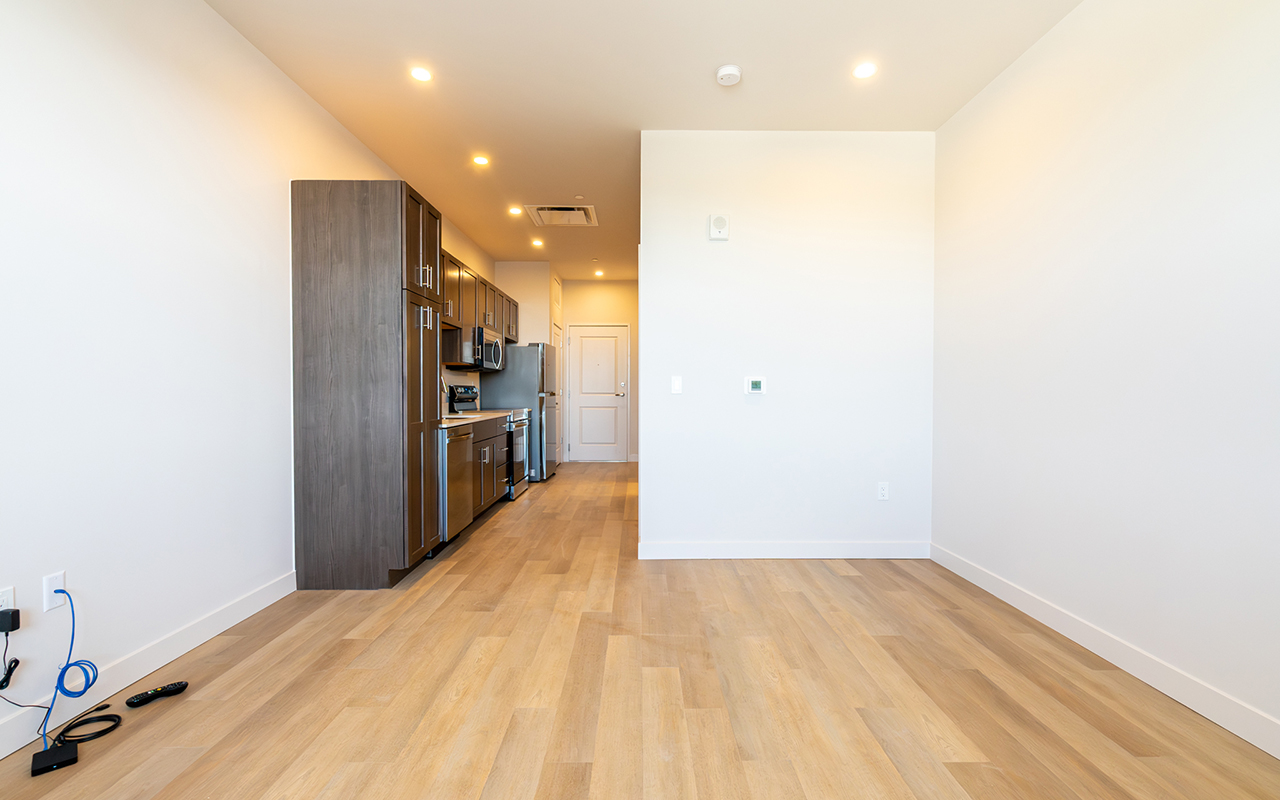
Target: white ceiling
column 555, row 94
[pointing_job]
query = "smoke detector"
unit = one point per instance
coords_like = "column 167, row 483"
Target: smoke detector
column 563, row 216
column 729, row 74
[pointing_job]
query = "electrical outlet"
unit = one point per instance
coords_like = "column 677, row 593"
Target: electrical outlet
column 882, row 491
column 52, row 583
column 6, row 598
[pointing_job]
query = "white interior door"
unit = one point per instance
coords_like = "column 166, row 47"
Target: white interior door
column 599, row 357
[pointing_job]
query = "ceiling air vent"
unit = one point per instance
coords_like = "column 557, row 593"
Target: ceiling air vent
column 563, row 216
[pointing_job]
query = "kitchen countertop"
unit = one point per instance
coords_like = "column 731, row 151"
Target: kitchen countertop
column 472, row 417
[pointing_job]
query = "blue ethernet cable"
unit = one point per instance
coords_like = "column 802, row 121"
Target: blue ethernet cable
column 87, row 668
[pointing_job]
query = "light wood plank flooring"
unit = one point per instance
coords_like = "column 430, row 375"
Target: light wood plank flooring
column 539, row 659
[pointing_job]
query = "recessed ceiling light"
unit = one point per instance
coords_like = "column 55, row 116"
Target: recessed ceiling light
column 577, row 197
column 537, row 243
column 599, row 273
column 514, row 210
column 595, row 259
column 481, row 160
column 420, row 73
column 864, row 70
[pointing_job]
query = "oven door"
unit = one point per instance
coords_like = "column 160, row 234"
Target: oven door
column 519, row 457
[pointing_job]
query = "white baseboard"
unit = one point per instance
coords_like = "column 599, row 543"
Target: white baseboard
column 1242, row 719
column 782, row 549
column 17, row 730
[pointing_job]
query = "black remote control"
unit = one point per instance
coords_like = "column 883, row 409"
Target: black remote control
column 155, row 694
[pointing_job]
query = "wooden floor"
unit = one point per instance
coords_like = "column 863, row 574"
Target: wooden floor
column 539, row 659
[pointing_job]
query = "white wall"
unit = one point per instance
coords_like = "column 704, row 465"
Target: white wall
column 1108, row 345
column 145, row 160
column 529, row 284
column 461, row 247
column 602, row 302
column 826, row 290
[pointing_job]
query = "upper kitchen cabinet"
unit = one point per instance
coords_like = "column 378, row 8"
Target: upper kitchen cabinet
column 366, row 368
column 500, row 313
column 451, row 312
column 472, row 295
column 511, row 331
column 421, row 246
column 491, row 316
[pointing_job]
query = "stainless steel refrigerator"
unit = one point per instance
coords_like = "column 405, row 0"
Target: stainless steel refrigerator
column 528, row 380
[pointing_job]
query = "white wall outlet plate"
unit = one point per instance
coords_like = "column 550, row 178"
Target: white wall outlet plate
column 882, row 491
column 754, row 386
column 718, row 227
column 6, row 598
column 57, row 580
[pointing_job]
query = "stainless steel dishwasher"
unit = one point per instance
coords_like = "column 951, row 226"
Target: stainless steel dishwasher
column 456, row 478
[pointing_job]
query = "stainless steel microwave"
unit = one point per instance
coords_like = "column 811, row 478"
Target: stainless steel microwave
column 490, row 347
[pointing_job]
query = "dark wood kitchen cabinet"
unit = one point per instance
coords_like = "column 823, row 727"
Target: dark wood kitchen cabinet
column 482, row 301
column 366, row 367
column 422, row 417
column 421, row 246
column 482, row 469
column 500, row 314
column 451, row 310
column 491, row 451
column 491, row 308
column 490, row 476
column 471, row 290
column 511, row 330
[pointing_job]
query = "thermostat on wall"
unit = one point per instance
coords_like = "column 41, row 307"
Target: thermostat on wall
column 718, row 227
column 755, row 386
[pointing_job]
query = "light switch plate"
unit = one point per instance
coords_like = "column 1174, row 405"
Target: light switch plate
column 882, row 491
column 755, row 386
column 677, row 384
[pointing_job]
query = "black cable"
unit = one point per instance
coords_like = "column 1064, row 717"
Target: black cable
column 64, row 736
column 9, row 667
column 20, row 705
column 6, row 665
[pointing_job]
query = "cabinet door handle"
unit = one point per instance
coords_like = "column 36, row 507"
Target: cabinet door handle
column 484, row 455
column 448, row 304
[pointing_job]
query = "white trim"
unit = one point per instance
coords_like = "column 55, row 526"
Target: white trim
column 16, row 730
column 782, row 549
column 1242, row 719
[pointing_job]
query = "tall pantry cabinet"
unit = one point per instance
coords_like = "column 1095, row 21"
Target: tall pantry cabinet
column 367, row 288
